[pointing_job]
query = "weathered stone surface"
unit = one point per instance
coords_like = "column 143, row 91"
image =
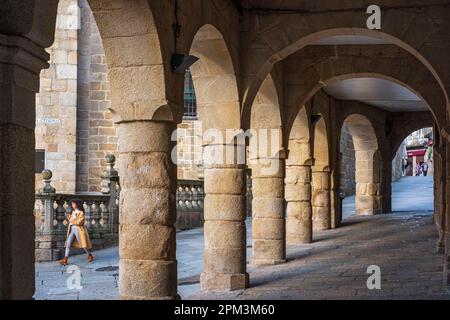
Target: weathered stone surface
column 225, row 207
column 159, row 242
column 268, row 208
column 147, row 279
column 224, row 181
column 298, row 208
column 147, row 205
column 225, row 234
column 146, row 235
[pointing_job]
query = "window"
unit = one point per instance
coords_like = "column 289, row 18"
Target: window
column 190, row 103
column 39, row 161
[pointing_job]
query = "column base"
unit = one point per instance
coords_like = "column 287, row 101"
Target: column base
column 223, row 282
column 266, row 262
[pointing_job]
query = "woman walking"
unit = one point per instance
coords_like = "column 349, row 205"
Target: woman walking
column 77, row 234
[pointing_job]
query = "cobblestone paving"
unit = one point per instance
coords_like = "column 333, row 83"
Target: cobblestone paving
column 402, row 244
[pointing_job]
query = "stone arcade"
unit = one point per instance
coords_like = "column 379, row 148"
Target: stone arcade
column 262, row 65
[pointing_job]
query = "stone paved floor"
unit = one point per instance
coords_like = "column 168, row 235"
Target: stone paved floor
column 333, row 267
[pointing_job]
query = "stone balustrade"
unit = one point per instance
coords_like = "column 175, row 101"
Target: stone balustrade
column 190, row 197
column 101, row 214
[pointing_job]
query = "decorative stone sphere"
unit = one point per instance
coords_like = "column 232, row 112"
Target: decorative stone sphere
column 47, row 174
column 110, row 158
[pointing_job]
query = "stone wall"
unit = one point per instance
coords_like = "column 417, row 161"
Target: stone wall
column 56, row 101
column 75, row 95
column 348, row 169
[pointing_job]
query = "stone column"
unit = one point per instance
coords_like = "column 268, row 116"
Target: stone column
column 368, row 198
column 298, row 198
column 20, row 63
column 268, row 222
column 225, row 231
column 321, row 213
column 148, row 266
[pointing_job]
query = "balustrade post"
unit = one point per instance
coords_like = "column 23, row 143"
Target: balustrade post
column 60, row 216
column 48, row 192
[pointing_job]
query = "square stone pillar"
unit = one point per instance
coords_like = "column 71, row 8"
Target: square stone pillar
column 147, row 241
column 225, row 261
column 268, row 221
column 20, row 64
column 320, row 195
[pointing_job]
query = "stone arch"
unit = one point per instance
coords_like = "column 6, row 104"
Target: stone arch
column 145, row 107
column 368, row 165
column 404, row 125
column 321, row 146
column 214, row 79
column 218, row 108
column 136, row 65
column 404, row 71
column 398, row 27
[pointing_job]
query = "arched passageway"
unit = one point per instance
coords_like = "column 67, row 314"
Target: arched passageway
column 248, row 76
column 413, row 170
column 367, row 165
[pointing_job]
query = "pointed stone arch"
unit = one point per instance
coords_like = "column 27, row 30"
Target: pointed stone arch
column 399, row 24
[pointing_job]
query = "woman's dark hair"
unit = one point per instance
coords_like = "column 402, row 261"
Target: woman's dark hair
column 79, row 204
